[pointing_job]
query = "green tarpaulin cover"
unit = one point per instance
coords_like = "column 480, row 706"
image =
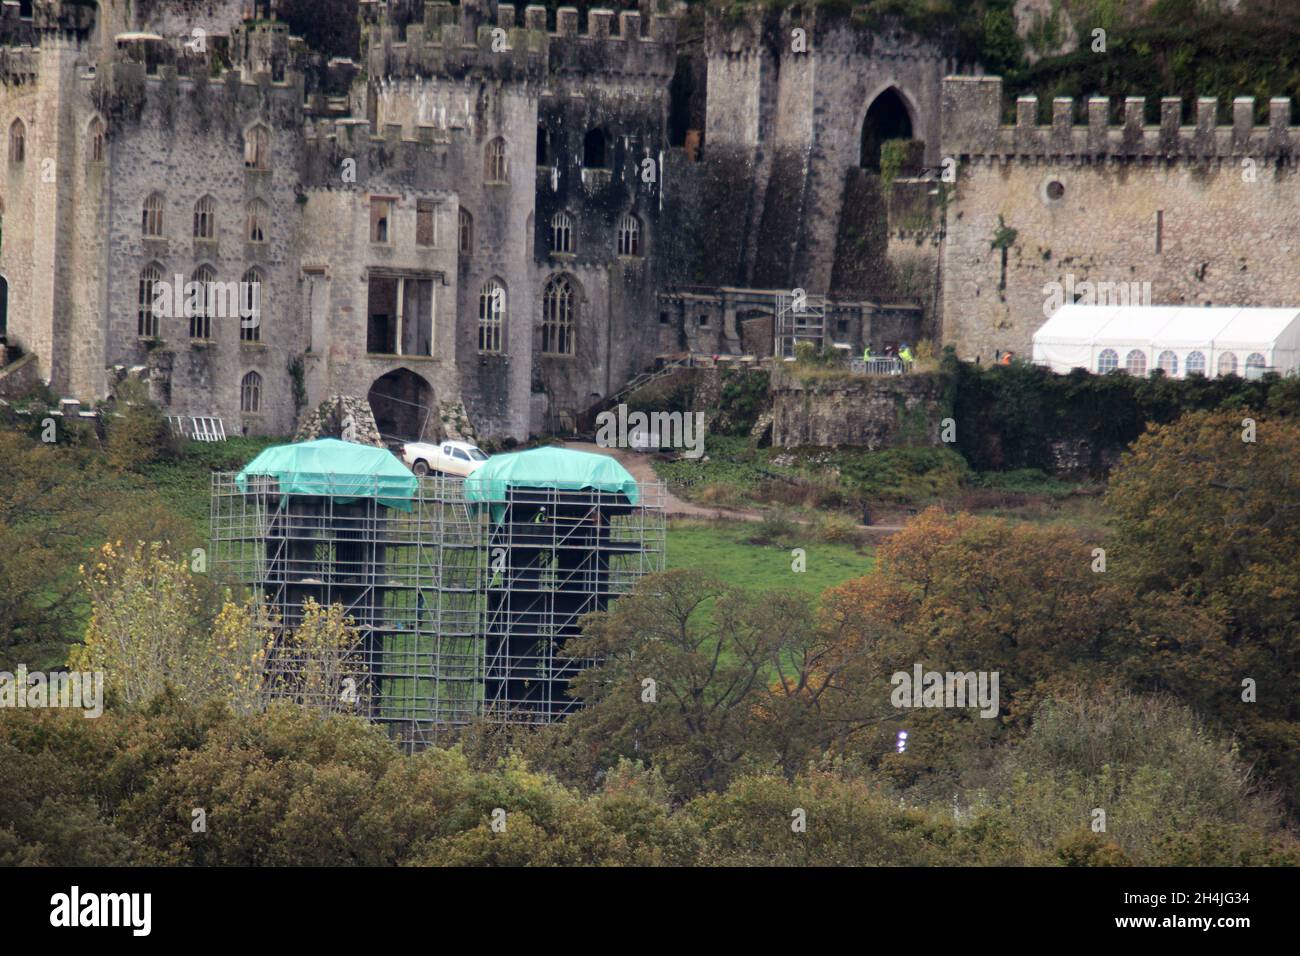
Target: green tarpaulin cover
column 340, row 469
column 559, row 468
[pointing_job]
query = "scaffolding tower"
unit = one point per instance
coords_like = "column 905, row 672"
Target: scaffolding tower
column 463, row 607
column 799, row 318
column 557, row 556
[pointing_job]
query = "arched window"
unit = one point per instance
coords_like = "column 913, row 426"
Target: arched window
column 887, row 118
column 1168, row 363
column 257, row 148
column 95, row 133
column 258, row 213
column 491, row 315
column 17, row 141
column 151, row 220
column 1255, row 360
column 561, row 232
column 205, row 218
column 1135, row 363
column 465, row 223
column 1228, row 363
column 1195, row 363
column 250, row 393
column 559, row 303
column 1107, row 361
column 595, row 149
column 146, row 319
column 250, row 307
column 495, row 169
column 629, row 235
column 198, row 301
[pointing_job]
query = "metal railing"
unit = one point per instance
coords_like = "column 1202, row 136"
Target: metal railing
column 879, row 366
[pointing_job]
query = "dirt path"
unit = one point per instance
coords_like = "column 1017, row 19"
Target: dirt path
column 638, row 465
column 640, row 468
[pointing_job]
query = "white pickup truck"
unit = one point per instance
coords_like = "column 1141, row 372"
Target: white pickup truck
column 447, row 458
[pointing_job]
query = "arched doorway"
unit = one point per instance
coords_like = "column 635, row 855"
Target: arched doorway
column 887, row 118
column 403, row 405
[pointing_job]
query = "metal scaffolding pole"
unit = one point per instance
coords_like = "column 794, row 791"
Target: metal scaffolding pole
column 463, row 609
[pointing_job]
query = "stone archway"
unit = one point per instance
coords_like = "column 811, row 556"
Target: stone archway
column 404, row 407
column 887, row 118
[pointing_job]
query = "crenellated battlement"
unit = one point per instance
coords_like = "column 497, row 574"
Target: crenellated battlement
column 260, row 53
column 516, row 44
column 1100, row 127
column 60, row 17
column 19, row 65
column 127, row 84
column 761, row 32
column 329, row 143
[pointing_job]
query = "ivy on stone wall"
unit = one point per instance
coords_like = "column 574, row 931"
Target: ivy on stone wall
column 1021, row 416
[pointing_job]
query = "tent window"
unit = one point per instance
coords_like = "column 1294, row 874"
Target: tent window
column 1135, row 363
column 1107, row 361
column 1196, row 363
column 1168, row 363
column 1255, row 360
column 1228, row 363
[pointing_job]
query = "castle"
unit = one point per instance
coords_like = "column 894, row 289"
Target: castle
column 503, row 215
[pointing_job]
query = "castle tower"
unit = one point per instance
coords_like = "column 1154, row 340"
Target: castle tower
column 40, row 258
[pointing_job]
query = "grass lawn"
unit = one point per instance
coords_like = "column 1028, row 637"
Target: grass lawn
column 721, row 549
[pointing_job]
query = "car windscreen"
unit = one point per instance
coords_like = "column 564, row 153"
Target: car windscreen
column 476, row 455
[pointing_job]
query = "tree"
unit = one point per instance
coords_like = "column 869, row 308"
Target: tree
column 706, row 681
column 1114, row 777
column 1208, row 520
column 44, row 509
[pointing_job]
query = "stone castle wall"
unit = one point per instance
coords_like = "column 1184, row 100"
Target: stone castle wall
column 1205, row 214
column 872, row 412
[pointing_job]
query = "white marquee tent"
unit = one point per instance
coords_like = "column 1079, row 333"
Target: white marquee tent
column 1178, row 339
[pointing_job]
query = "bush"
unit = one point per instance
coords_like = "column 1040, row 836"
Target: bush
column 837, row 528
column 775, row 528
column 137, row 431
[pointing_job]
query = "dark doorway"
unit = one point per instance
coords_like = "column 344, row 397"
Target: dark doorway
column 381, row 316
column 543, row 146
column 595, row 149
column 403, row 405
column 887, row 118
column 4, row 308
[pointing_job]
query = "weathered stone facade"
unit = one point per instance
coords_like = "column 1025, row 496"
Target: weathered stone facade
column 485, row 212
column 1203, row 214
column 380, row 244
column 872, row 412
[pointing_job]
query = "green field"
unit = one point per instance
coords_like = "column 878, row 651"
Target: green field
column 722, row 550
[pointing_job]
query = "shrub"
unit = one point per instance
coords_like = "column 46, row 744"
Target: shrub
column 775, row 527
column 837, row 528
